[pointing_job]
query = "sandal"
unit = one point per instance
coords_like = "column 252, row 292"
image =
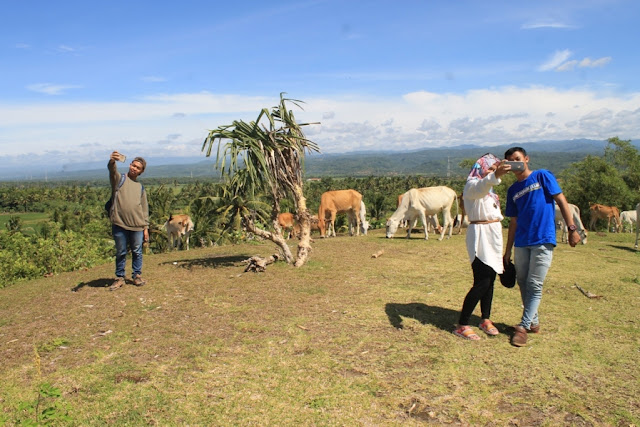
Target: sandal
column 488, row 327
column 467, row 333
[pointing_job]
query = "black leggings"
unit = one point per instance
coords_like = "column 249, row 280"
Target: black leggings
column 482, row 290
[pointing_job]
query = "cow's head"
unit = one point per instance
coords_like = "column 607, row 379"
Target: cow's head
column 392, row 227
column 322, row 227
column 583, row 236
column 364, row 226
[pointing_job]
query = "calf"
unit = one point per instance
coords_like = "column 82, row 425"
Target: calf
column 178, row 226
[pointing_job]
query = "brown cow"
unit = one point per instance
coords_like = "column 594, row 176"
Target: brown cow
column 178, row 226
column 599, row 211
column 337, row 202
column 288, row 224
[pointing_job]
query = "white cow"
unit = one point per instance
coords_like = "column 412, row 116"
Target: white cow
column 432, row 220
column 178, row 226
column 637, row 224
column 420, row 202
column 575, row 214
column 630, row 218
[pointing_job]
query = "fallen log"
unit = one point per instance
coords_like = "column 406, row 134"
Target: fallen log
column 258, row 264
column 377, row 254
column 587, row 293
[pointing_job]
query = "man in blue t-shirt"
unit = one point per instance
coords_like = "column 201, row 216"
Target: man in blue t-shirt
column 531, row 206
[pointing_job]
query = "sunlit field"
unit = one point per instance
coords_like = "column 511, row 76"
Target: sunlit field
column 347, row 339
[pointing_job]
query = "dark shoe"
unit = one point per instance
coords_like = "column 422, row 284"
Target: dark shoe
column 117, row 284
column 519, row 338
column 138, row 280
column 534, row 329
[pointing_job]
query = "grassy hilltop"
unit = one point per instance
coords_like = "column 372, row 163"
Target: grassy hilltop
column 345, row 340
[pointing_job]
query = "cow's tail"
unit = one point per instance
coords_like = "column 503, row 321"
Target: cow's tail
column 455, row 197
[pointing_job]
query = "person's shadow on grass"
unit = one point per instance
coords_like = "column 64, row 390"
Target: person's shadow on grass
column 97, row 283
column 443, row 318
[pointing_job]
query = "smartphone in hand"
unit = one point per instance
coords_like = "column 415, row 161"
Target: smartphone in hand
column 515, row 166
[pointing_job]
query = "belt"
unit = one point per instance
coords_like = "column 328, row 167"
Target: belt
column 490, row 221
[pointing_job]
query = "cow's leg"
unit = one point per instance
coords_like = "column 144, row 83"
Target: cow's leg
column 187, row 240
column 410, row 224
column 350, row 220
column 448, row 222
column 332, row 226
column 423, row 219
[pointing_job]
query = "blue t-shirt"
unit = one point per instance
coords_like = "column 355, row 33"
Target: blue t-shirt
column 531, row 201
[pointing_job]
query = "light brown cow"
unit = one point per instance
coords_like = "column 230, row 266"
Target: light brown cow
column 288, row 224
column 178, row 227
column 338, row 202
column 599, row 211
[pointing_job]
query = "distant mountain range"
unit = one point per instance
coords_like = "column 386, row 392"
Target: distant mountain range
column 552, row 155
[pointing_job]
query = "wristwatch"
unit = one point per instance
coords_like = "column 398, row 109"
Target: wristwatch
column 572, row 227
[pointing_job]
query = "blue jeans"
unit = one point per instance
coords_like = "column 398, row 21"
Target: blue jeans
column 126, row 238
column 532, row 264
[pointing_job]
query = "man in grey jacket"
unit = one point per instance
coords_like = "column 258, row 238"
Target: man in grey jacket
column 129, row 215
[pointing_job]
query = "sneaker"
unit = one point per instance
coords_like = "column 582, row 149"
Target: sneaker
column 138, row 280
column 117, row 284
column 519, row 338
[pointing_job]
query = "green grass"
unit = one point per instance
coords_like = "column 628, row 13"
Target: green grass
column 30, row 221
column 345, row 340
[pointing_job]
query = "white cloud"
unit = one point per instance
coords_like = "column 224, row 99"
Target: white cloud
column 556, row 60
column 153, row 79
column 601, row 62
column 418, row 119
column 65, row 48
column 50, row 88
column 545, row 24
column 22, row 46
column 567, row 66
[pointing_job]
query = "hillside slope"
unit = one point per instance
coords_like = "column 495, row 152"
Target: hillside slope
column 345, row 340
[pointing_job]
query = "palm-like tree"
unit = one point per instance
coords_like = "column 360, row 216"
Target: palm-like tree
column 270, row 153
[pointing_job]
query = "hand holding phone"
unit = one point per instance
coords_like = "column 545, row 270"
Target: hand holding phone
column 515, row 166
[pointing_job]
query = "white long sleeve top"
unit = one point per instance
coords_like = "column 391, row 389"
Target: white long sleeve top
column 484, row 240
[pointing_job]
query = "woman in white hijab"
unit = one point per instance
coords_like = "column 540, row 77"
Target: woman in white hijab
column 484, row 241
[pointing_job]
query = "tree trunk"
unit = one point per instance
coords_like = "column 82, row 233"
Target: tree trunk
column 274, row 237
column 304, row 219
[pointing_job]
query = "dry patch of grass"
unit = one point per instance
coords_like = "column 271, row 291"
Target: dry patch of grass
column 346, row 340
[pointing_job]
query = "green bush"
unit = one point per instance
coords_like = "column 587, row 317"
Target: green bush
column 24, row 257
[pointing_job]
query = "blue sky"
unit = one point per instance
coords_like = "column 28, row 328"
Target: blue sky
column 80, row 79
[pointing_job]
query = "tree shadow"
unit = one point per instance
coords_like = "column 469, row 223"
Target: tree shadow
column 97, row 283
column 624, row 248
column 209, row 262
column 443, row 318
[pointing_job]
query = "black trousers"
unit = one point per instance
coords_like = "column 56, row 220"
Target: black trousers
column 482, row 291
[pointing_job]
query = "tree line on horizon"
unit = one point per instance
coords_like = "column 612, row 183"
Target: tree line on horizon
column 243, row 205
